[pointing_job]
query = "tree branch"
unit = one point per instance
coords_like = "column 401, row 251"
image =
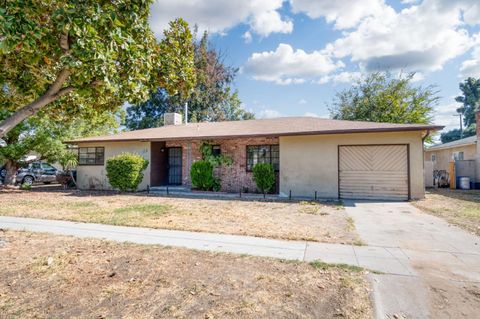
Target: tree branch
column 53, row 93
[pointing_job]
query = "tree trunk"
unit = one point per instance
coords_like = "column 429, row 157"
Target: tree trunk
column 11, row 176
column 53, row 93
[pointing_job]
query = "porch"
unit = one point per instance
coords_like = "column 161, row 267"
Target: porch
column 171, row 161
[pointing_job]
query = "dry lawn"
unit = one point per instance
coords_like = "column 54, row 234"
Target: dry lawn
column 294, row 221
column 46, row 276
column 459, row 207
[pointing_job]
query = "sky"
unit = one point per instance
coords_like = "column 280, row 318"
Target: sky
column 294, row 55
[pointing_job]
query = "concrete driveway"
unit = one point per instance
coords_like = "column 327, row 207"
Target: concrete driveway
column 443, row 261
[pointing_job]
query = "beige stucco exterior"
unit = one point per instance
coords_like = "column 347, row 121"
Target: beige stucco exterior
column 310, row 163
column 95, row 176
column 445, row 156
column 307, row 163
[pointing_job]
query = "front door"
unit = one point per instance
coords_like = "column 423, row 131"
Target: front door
column 175, row 166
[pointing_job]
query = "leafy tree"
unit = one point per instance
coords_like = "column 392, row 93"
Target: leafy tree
column 455, row 134
column 380, row 97
column 70, row 56
column 470, row 99
column 211, row 99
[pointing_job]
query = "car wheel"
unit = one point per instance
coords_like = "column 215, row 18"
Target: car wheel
column 27, row 180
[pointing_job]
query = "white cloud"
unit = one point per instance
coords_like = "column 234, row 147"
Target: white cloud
column 302, row 101
column 247, row 37
column 268, row 114
column 342, row 77
column 343, row 13
column 446, row 115
column 216, row 16
column 471, row 67
column 420, row 37
column 288, row 66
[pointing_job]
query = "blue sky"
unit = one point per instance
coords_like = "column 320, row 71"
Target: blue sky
column 294, row 55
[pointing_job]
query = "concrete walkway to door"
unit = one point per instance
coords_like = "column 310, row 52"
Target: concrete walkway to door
column 443, row 259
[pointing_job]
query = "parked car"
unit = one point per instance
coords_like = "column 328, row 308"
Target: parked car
column 34, row 172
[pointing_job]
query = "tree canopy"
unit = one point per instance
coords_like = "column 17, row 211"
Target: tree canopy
column 470, row 100
column 74, row 56
column 211, row 99
column 381, row 97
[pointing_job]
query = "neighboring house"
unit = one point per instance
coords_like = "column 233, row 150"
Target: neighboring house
column 464, row 153
column 460, row 150
column 335, row 159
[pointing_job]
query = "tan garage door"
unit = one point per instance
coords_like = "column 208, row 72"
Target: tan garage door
column 373, row 172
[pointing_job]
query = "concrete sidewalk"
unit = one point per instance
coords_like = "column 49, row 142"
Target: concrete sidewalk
column 384, row 259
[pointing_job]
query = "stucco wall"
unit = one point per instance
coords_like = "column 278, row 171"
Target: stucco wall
column 310, row 163
column 94, row 176
column 443, row 157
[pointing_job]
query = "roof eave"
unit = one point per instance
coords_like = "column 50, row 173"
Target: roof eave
column 369, row 130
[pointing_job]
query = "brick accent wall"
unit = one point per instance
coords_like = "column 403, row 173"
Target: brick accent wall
column 234, row 177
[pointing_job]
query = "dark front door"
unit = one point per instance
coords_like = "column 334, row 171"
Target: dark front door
column 175, row 166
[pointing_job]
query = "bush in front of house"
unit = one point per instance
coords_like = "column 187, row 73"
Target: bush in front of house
column 264, row 177
column 125, row 171
column 202, row 177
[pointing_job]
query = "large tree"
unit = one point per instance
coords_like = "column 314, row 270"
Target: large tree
column 72, row 55
column 382, row 97
column 470, row 100
column 212, row 98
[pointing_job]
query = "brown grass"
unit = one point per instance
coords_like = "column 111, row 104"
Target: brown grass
column 312, row 221
column 46, row 276
column 459, row 207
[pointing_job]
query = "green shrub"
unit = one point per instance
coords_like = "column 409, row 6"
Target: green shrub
column 125, row 171
column 202, row 177
column 264, row 176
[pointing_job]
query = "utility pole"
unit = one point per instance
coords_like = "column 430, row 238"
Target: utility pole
column 461, row 124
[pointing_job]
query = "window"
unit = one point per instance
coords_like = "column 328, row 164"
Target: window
column 433, row 158
column 46, row 166
column 458, row 156
column 263, row 154
column 91, row 155
column 216, row 150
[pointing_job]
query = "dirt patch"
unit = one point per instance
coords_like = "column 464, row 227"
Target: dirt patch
column 312, row 221
column 55, row 276
column 458, row 207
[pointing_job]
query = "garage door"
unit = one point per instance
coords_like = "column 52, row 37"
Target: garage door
column 373, row 172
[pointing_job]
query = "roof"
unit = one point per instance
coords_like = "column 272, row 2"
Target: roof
column 282, row 126
column 471, row 140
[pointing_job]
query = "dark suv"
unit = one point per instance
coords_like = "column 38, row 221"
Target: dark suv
column 34, row 172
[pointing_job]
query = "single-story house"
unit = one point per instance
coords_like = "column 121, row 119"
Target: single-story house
column 464, row 153
column 335, row 159
column 460, row 150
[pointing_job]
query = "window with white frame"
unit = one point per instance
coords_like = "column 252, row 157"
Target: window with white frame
column 458, row 156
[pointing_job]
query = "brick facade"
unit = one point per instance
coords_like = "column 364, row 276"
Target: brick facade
column 233, row 177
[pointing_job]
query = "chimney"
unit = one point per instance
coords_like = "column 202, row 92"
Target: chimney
column 172, row 119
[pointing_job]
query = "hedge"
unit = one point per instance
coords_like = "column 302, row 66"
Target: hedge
column 125, row 171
